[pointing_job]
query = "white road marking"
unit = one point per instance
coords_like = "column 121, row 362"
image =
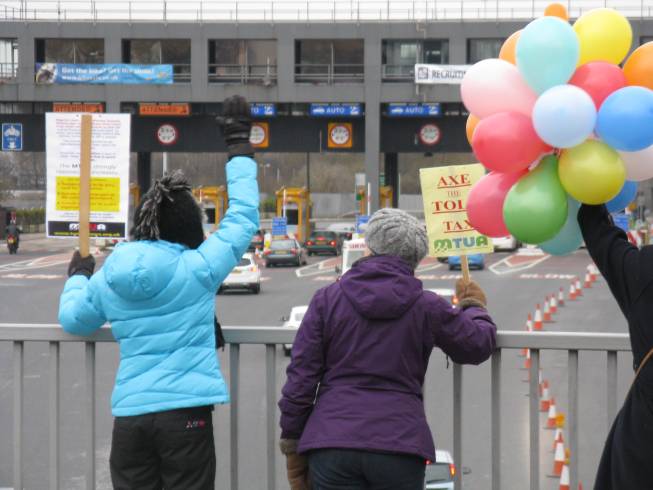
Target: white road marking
column 32, row 276
column 505, row 266
column 39, row 263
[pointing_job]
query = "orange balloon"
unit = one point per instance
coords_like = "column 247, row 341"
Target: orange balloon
column 509, row 49
column 470, row 127
column 556, row 10
column 639, row 66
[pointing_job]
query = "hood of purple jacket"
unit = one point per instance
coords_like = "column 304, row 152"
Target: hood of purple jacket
column 381, row 287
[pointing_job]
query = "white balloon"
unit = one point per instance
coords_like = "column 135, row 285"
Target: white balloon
column 494, row 85
column 639, row 164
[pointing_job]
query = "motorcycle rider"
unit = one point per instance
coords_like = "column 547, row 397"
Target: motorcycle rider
column 12, row 229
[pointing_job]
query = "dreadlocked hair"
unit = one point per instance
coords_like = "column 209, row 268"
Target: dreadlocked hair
column 168, row 211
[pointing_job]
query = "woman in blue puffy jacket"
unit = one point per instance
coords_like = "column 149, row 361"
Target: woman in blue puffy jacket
column 158, row 294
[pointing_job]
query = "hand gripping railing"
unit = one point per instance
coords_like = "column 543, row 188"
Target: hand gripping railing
column 573, row 343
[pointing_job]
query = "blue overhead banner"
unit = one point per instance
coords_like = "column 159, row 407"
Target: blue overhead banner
column 335, row 110
column 118, row 73
column 414, row 110
column 263, row 110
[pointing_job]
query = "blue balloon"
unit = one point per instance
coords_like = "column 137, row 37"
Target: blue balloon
column 564, row 116
column 569, row 238
column 625, row 120
column 547, row 53
column 624, row 198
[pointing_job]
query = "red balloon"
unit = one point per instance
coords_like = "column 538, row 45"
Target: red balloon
column 599, row 79
column 485, row 202
column 507, row 142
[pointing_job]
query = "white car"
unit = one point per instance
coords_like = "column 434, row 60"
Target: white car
column 440, row 474
column 246, row 275
column 508, row 243
column 294, row 320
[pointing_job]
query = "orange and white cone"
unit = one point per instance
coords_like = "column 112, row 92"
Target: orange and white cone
column 538, row 324
column 545, row 400
column 588, row 281
column 529, row 328
column 551, row 421
column 547, row 311
column 561, row 298
column 527, row 361
column 579, row 288
column 572, row 292
column 557, row 438
column 564, row 478
column 558, row 460
column 554, row 304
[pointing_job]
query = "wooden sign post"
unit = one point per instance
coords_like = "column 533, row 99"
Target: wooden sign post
column 85, row 185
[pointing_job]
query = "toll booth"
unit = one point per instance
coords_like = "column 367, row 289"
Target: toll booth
column 297, row 209
column 214, row 200
column 386, row 194
column 134, row 195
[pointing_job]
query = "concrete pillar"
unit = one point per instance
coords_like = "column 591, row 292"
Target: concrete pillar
column 144, row 171
column 391, row 171
column 373, row 115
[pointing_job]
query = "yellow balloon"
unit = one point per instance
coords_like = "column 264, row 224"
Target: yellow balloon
column 604, row 35
column 592, row 172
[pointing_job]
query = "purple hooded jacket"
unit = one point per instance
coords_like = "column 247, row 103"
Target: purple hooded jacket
column 360, row 356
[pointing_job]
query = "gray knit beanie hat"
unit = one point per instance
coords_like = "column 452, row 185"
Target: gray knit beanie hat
column 395, row 232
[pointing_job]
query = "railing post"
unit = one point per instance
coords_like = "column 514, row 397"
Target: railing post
column 90, row 415
column 53, row 409
column 495, row 426
column 457, row 423
column 573, row 417
column 18, row 415
column 534, row 420
column 612, row 387
column 271, row 412
column 234, row 366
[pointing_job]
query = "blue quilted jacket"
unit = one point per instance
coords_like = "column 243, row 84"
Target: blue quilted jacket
column 159, row 298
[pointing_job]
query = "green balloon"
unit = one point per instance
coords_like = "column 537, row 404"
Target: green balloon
column 535, row 209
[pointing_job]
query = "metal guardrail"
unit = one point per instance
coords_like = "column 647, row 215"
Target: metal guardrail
column 299, row 10
column 270, row 337
column 243, row 74
column 329, row 73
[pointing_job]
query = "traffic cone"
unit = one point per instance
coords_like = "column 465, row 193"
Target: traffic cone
column 539, row 323
column 588, row 281
column 572, row 292
column 547, row 311
column 554, row 304
column 564, row 478
column 590, row 271
column 551, row 420
column 561, row 298
column 545, row 401
column 527, row 361
column 579, row 289
column 529, row 328
column 558, row 460
column 557, row 438
column 540, row 383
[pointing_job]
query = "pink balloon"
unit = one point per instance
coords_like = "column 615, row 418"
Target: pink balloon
column 507, row 142
column 485, row 202
column 494, row 85
column 599, row 79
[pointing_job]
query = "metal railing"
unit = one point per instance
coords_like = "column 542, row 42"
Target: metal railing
column 299, row 10
column 398, row 73
column 243, row 74
column 329, row 73
column 8, row 71
column 270, row 337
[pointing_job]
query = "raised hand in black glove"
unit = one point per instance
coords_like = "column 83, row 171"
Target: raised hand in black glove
column 79, row 265
column 236, row 122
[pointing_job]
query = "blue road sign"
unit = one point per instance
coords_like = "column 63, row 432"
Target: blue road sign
column 621, row 220
column 361, row 222
column 279, row 226
column 331, row 110
column 12, row 137
column 263, row 110
column 414, row 110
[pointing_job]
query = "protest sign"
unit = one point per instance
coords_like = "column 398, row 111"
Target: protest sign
column 109, row 174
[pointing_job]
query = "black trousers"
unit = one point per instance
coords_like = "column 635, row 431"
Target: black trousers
column 344, row 469
column 170, row 450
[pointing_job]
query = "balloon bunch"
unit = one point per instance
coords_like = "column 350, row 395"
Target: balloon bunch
column 558, row 122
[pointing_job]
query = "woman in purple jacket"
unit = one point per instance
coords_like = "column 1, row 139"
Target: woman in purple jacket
column 352, row 410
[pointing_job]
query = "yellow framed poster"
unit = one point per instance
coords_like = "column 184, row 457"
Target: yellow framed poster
column 445, row 191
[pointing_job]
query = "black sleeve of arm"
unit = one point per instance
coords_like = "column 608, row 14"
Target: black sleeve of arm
column 617, row 259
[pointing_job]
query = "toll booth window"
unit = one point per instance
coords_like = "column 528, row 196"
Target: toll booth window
column 210, row 214
column 175, row 52
column 329, row 61
column 242, row 60
column 78, row 51
column 480, row 49
column 293, row 216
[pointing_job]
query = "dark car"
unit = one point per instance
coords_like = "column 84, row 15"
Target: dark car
column 285, row 251
column 324, row 242
column 258, row 241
